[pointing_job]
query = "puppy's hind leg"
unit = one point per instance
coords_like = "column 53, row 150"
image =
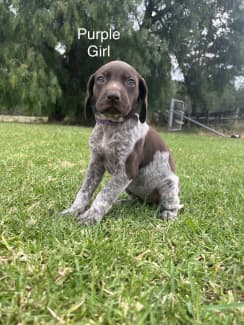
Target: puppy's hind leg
column 169, row 198
column 131, row 198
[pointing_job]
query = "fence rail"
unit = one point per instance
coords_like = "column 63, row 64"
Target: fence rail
column 219, row 116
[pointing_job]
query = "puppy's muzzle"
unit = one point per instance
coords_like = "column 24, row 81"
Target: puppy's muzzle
column 112, row 102
column 113, row 96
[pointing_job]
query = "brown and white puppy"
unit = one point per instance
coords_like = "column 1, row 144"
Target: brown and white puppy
column 123, row 144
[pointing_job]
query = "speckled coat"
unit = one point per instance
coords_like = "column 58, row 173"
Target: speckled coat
column 133, row 153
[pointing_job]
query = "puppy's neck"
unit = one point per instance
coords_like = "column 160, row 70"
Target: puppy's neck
column 126, row 120
column 108, row 122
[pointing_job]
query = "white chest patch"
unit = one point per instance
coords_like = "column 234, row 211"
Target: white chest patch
column 115, row 142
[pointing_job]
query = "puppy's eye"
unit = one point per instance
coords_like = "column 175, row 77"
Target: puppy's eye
column 101, row 79
column 131, row 82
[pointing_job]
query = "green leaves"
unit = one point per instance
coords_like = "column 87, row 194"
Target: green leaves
column 205, row 37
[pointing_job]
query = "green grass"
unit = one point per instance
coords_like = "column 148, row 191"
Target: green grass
column 132, row 268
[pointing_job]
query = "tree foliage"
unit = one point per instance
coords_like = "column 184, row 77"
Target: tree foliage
column 35, row 77
column 207, row 39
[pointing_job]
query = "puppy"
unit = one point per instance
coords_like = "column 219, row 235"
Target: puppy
column 123, row 144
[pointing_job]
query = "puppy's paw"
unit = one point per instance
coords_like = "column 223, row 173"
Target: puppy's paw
column 168, row 214
column 72, row 210
column 90, row 217
column 67, row 211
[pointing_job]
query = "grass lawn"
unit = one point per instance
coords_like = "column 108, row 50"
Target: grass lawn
column 132, row 268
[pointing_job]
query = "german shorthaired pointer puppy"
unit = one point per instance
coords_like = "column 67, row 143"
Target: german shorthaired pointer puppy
column 123, row 144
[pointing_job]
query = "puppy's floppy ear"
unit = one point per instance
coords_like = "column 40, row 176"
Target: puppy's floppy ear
column 143, row 99
column 89, row 97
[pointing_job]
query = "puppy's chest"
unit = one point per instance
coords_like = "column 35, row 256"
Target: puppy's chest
column 112, row 148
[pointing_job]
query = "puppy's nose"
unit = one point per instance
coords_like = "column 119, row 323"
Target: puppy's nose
column 113, row 95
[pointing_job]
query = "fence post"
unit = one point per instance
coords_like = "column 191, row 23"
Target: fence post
column 171, row 113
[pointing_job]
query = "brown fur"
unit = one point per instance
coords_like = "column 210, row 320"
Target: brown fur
column 144, row 151
column 124, row 99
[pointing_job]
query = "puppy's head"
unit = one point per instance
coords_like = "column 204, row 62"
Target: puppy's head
column 115, row 91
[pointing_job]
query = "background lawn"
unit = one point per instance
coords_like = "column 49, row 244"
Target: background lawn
column 132, row 268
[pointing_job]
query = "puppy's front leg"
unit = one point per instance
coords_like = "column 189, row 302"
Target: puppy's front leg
column 105, row 198
column 93, row 177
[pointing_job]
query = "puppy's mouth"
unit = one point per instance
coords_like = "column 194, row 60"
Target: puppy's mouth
column 109, row 112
